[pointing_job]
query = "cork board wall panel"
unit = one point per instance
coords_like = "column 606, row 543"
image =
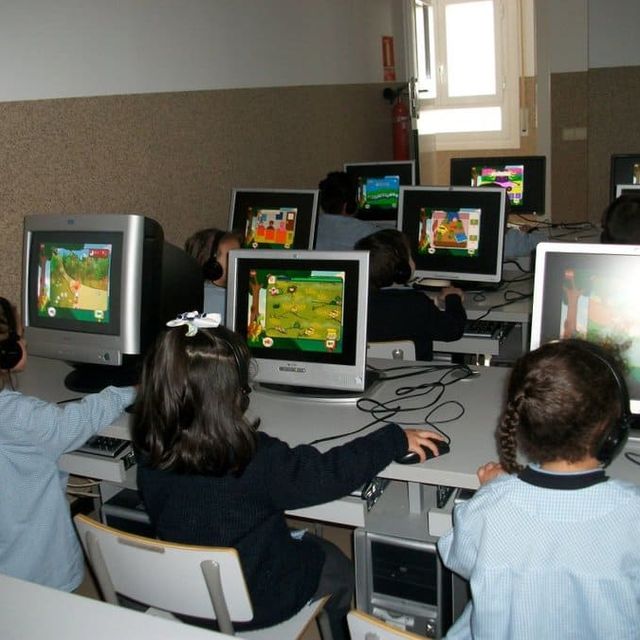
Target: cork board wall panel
column 614, row 126
column 569, row 114
column 175, row 156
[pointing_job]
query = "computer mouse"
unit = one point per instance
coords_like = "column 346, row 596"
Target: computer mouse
column 411, row 457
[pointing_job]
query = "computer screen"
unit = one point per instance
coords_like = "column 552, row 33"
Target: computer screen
column 378, row 185
column 589, row 291
column 98, row 288
column 627, row 189
column 625, row 169
column 303, row 314
column 523, row 177
column 456, row 234
column 274, row 218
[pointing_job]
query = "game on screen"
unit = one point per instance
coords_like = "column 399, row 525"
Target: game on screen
column 510, row 177
column 378, row 193
column 596, row 308
column 73, row 281
column 300, row 310
column 449, row 231
column 270, row 228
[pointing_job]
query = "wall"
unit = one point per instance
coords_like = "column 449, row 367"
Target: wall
column 160, row 107
column 589, row 65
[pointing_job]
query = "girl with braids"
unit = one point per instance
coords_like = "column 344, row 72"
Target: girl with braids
column 551, row 549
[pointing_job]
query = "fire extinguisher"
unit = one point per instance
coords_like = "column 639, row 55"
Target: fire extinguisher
column 401, row 129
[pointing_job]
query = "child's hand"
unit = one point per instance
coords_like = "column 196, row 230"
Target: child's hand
column 448, row 291
column 417, row 439
column 489, row 471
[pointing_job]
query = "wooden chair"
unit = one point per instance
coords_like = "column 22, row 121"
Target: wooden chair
column 393, row 349
column 363, row 626
column 170, row 578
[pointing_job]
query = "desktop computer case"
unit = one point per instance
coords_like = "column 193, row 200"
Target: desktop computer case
column 403, row 582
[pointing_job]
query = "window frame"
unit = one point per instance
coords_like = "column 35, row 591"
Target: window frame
column 508, row 60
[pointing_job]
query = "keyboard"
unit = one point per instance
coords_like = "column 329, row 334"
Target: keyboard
column 486, row 329
column 104, row 446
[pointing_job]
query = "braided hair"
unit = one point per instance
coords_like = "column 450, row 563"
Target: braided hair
column 560, row 399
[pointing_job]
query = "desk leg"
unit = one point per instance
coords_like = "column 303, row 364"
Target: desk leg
column 416, row 502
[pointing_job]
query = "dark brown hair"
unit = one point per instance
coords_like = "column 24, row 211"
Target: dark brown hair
column 388, row 257
column 621, row 221
column 338, row 192
column 560, row 399
column 189, row 413
column 203, row 244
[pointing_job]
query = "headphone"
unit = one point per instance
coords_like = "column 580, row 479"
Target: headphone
column 10, row 348
column 212, row 269
column 615, row 437
column 402, row 271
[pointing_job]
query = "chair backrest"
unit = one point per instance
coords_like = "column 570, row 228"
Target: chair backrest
column 363, row 626
column 174, row 577
column 393, row 349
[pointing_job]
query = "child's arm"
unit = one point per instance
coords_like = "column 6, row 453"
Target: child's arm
column 489, row 471
column 56, row 429
column 303, row 476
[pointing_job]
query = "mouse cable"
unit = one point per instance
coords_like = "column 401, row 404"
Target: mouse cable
column 632, row 456
column 354, row 431
column 415, row 370
column 516, row 296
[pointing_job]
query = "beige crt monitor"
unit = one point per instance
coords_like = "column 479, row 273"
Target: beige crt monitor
column 590, row 291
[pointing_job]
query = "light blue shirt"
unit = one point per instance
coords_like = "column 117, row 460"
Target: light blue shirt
column 215, row 300
column 547, row 563
column 37, row 539
column 340, row 233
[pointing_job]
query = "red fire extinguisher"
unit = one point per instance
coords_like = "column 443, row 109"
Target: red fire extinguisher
column 401, row 128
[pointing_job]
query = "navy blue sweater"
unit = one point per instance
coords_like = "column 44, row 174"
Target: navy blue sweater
column 247, row 512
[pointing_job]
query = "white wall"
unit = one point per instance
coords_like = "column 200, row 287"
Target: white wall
column 70, row 48
column 614, row 33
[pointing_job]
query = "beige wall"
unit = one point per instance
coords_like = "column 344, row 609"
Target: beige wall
column 175, row 156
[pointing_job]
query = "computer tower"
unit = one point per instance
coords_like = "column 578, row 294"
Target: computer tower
column 404, row 582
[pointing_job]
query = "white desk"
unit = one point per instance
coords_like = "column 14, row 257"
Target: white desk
column 299, row 421
column 30, row 611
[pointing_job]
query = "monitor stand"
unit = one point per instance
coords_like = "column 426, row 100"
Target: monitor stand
column 432, row 284
column 91, row 378
column 316, row 394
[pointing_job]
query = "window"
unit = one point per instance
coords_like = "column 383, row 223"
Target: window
column 466, row 58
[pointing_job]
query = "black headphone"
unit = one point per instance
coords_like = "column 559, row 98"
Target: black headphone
column 243, row 373
column 212, row 269
column 402, row 271
column 10, row 348
column 615, row 437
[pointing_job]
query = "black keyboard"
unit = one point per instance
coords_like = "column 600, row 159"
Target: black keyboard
column 104, row 446
column 486, row 329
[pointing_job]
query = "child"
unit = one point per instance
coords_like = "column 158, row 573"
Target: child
column 621, row 220
column 338, row 226
column 404, row 313
column 37, row 539
column 209, row 477
column 210, row 247
column 551, row 551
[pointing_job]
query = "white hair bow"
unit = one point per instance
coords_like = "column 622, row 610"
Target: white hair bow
column 194, row 321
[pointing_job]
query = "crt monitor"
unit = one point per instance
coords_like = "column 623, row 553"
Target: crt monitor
column 589, row 291
column 97, row 288
column 627, row 190
column 378, row 187
column 456, row 234
column 274, row 218
column 625, row 169
column 523, row 177
column 304, row 316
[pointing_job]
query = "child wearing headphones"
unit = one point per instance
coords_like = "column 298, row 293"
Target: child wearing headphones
column 210, row 247
column 37, row 539
column 401, row 313
column 551, row 549
column 621, row 220
column 338, row 225
column 209, row 477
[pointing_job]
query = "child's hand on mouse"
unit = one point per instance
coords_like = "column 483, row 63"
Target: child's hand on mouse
column 419, row 438
column 489, row 471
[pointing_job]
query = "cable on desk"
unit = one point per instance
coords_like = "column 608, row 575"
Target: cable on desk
column 632, row 456
column 518, row 266
column 516, row 296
